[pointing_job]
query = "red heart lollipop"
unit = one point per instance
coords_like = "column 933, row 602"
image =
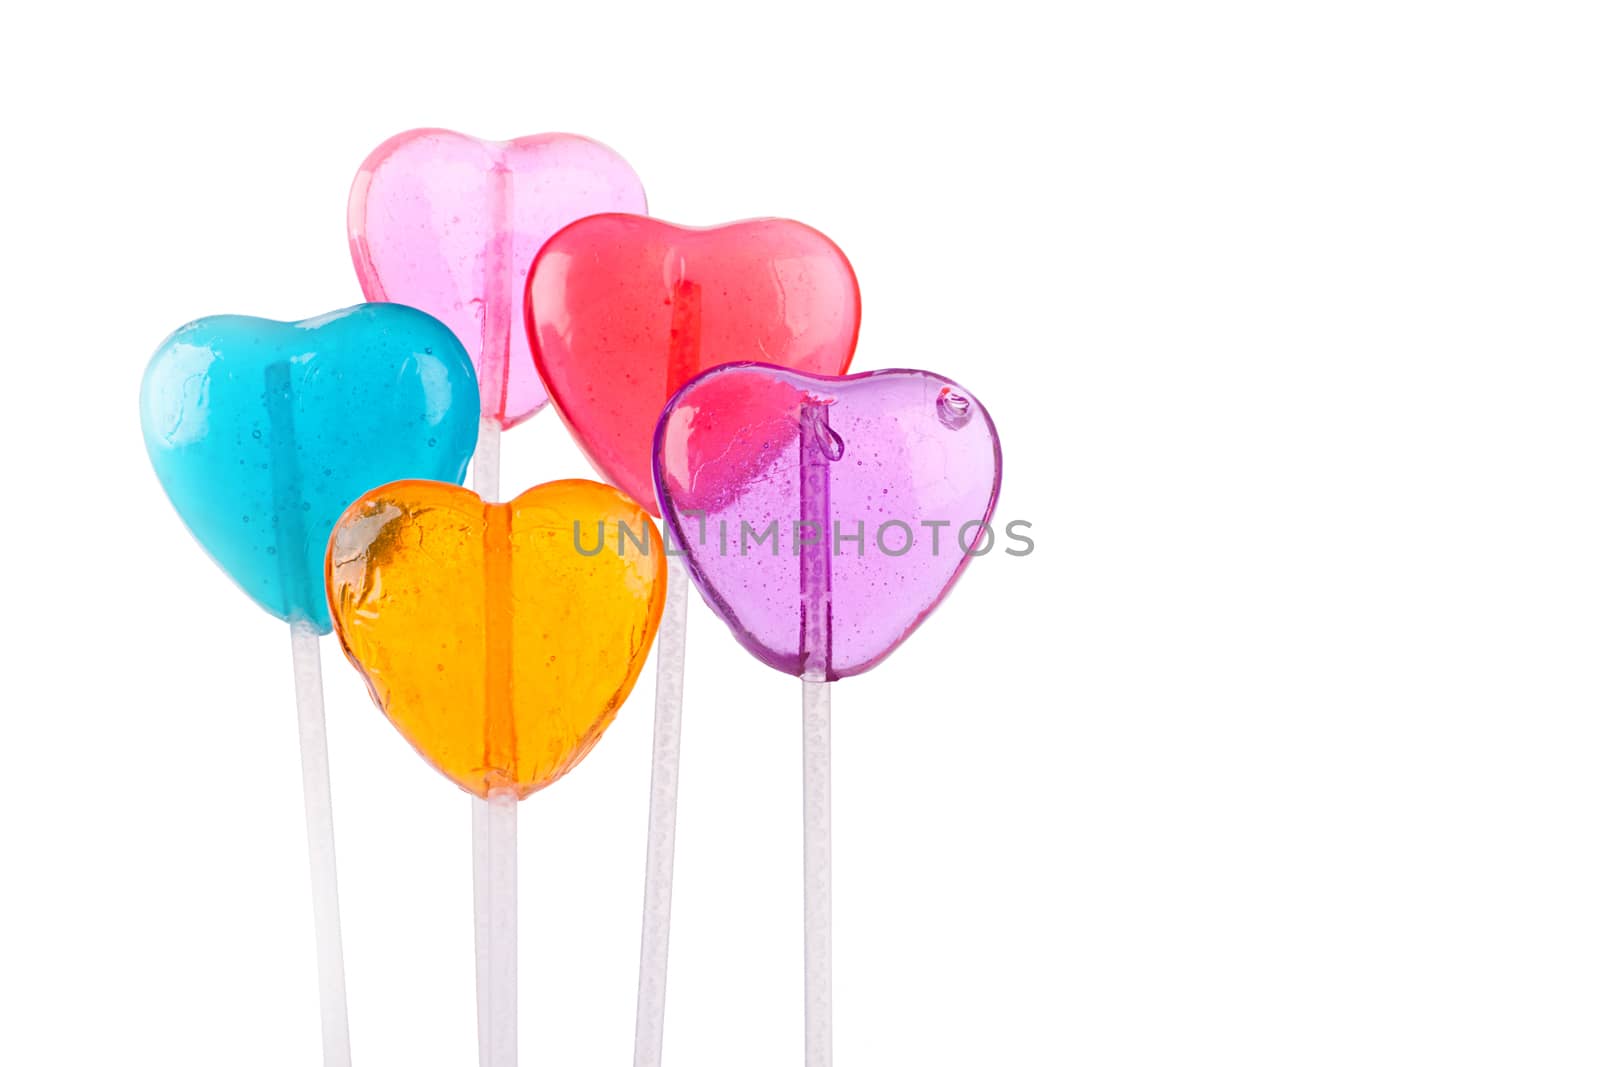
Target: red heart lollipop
column 623, row 310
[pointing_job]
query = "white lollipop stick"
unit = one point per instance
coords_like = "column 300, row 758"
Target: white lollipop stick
column 650, row 1015
column 486, row 483
column 816, row 649
column 307, row 656
column 499, row 1006
column 319, row 834
column 486, row 461
column 815, row 723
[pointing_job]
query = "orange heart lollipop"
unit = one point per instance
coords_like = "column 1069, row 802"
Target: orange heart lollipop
column 500, row 639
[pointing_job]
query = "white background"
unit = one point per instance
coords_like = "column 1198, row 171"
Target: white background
column 1281, row 749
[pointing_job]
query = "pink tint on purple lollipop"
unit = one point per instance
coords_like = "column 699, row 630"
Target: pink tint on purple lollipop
column 824, row 518
column 450, row 224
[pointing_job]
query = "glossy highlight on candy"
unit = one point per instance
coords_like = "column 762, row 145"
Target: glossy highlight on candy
column 824, row 518
column 623, row 310
column 450, row 224
column 500, row 639
column 263, row 432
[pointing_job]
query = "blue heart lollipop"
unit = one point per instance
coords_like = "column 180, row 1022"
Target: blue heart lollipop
column 263, row 432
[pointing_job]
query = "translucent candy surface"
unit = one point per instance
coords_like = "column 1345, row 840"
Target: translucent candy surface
column 263, row 432
column 837, row 511
column 450, row 224
column 497, row 638
column 624, row 310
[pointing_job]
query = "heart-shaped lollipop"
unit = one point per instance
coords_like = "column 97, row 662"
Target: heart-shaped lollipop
column 263, row 432
column 623, row 310
column 500, row 639
column 824, row 518
column 450, row 224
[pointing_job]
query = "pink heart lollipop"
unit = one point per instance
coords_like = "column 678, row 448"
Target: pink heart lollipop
column 450, row 224
column 824, row 518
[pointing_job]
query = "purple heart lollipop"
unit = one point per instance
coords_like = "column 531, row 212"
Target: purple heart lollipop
column 824, row 518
